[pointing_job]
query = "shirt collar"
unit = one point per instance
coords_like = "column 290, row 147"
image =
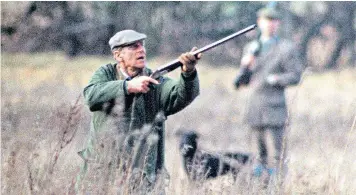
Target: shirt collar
column 127, row 76
column 124, row 73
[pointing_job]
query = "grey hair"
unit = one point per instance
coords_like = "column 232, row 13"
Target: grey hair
column 119, row 49
column 116, row 49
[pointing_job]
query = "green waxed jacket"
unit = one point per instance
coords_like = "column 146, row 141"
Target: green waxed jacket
column 107, row 97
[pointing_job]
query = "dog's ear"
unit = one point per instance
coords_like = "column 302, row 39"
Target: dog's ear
column 196, row 135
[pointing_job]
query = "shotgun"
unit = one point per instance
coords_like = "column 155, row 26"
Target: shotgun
column 162, row 70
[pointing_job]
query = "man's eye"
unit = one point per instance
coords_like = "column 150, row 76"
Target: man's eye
column 134, row 46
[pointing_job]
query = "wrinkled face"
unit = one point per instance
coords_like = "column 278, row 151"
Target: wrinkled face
column 132, row 56
column 268, row 26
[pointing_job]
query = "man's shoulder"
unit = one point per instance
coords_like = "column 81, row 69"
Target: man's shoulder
column 107, row 70
column 108, row 67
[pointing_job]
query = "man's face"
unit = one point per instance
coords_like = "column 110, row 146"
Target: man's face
column 132, row 56
column 268, row 26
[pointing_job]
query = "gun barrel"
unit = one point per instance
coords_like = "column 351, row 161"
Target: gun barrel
column 221, row 41
column 176, row 63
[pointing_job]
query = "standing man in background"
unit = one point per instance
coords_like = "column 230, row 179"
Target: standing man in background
column 269, row 65
column 127, row 84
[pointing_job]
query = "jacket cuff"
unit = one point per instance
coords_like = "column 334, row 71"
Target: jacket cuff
column 189, row 76
column 125, row 87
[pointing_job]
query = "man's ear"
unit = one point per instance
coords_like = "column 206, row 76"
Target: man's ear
column 120, row 59
column 117, row 56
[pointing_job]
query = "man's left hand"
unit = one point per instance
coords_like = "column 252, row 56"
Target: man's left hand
column 189, row 60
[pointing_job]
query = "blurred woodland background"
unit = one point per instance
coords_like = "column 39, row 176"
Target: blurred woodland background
column 49, row 51
column 82, row 28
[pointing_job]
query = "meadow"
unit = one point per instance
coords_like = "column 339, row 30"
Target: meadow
column 44, row 123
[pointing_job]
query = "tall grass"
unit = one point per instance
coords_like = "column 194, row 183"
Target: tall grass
column 44, row 123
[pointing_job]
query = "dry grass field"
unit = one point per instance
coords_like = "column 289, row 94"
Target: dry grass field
column 44, row 123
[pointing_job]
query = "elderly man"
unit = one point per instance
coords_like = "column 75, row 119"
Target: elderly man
column 127, row 85
column 272, row 64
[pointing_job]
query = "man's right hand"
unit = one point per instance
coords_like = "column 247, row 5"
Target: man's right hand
column 140, row 84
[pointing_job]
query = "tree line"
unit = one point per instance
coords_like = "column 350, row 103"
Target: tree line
column 84, row 28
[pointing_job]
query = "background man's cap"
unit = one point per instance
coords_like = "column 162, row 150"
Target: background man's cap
column 271, row 13
column 125, row 37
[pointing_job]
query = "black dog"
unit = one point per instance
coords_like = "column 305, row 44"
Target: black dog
column 202, row 165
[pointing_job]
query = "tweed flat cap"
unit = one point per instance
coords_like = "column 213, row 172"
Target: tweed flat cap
column 125, row 37
column 271, row 13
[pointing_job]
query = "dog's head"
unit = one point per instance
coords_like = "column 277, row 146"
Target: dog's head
column 188, row 143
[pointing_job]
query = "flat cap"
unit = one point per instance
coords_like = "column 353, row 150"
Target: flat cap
column 271, row 13
column 125, row 37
